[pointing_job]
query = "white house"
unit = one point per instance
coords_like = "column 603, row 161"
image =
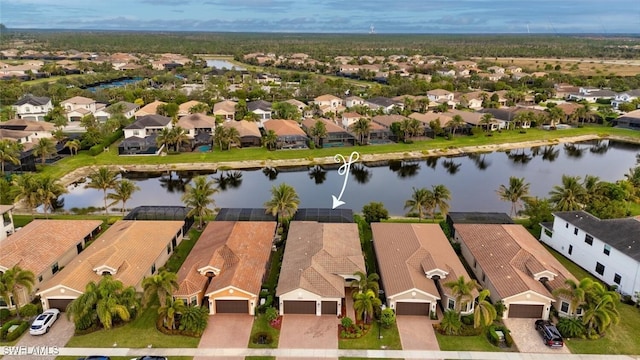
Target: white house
column 609, row 249
column 625, row 97
column 32, row 107
column 591, row 95
column 78, row 107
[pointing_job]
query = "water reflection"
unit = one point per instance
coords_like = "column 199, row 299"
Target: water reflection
column 228, row 179
column 168, row 182
column 574, row 151
column 360, row 173
column 550, row 153
column 480, row 160
column 519, row 156
column 404, row 168
column 451, row 166
column 432, row 162
column 270, row 173
column 317, row 174
column 600, row 147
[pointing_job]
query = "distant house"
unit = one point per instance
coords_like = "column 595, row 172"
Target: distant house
column 149, row 109
column 625, row 97
column 379, row 134
column 472, row 100
column 591, row 95
column 44, row 247
column 249, row 132
column 298, row 104
column 352, row 101
column 427, row 118
column 34, row 130
column 330, row 101
column 384, row 103
column 496, row 70
column 629, row 120
column 184, row 109
column 349, row 118
column 415, row 261
column 440, row 95
column 225, row 109
column 78, row 107
column 608, row 249
column 227, row 266
column 31, row 107
column 336, row 135
column 475, row 119
column 199, row 128
column 128, row 110
column 262, row 109
column 318, row 266
column 6, row 214
column 129, row 251
column 140, row 137
column 290, row 135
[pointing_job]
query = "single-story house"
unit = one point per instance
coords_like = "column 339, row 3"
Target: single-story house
column 227, row 266
column 129, row 251
column 475, row 119
column 384, row 103
column 513, row 265
column 225, row 109
column 318, row 266
column 629, row 120
column 290, row 134
column 249, row 132
column 336, row 135
column 415, row 261
column 149, row 109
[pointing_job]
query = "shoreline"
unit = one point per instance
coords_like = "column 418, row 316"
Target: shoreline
column 82, row 172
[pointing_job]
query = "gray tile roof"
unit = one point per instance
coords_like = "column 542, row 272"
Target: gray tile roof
column 259, row 104
column 149, row 121
column 33, row 100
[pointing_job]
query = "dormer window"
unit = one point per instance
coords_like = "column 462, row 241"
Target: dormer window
column 545, row 275
column 105, row 270
column 209, row 271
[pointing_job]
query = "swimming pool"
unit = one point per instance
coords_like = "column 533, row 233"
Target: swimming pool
column 204, row 148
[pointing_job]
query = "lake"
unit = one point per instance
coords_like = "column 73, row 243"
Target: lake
column 223, row 64
column 472, row 179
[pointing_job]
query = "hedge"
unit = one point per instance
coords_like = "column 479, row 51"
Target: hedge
column 493, row 336
column 4, row 331
column 99, row 148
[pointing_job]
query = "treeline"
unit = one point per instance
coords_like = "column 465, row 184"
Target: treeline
column 329, row 45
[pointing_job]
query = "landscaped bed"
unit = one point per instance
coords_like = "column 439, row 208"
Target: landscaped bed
column 260, row 327
column 390, row 339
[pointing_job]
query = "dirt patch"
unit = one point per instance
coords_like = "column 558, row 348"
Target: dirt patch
column 629, row 67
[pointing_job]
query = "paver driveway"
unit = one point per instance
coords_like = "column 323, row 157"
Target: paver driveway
column 58, row 336
column 416, row 333
column 309, row 332
column 227, row 331
column 527, row 338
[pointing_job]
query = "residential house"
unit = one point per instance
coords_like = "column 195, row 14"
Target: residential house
column 591, row 95
column 475, row 119
column 249, row 132
column 513, row 69
column 128, row 110
column 491, row 76
column 629, row 120
column 446, row 72
column 608, row 249
column 31, row 107
column 496, row 70
column 129, row 251
column 34, row 130
column 184, row 109
column 472, row 100
column 349, row 118
column 383, row 103
column 199, row 128
column 290, row 135
column 318, row 266
column 386, row 121
column 327, row 100
column 440, row 95
column 6, row 212
column 262, row 109
column 298, row 104
column 516, row 269
column 379, row 134
column 78, row 107
column 149, row 109
column 227, row 265
column 508, row 114
column 625, row 97
column 336, row 135
column 44, row 247
column 427, row 118
column 414, row 262
column 225, row 109
column 352, row 101
column 562, row 90
column 140, row 137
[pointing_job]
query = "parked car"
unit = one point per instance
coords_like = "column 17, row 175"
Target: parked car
column 550, row 334
column 44, row 321
column 150, row 357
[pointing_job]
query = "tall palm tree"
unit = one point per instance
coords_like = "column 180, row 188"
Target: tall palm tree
column 365, row 305
column 441, row 196
column 363, row 282
column 362, row 129
column 169, row 311
column 12, row 282
column 600, row 309
column 73, row 145
column 103, row 179
column 49, row 189
column 570, row 196
column 462, row 290
column 422, row 201
column 575, row 292
column 270, row 140
column 179, row 137
column 199, row 197
column 26, row 190
column 123, row 191
column 318, row 131
column 233, row 137
column 9, row 152
column 486, row 121
column 165, row 138
column 283, row 203
column 517, row 191
column 456, row 122
column 44, row 148
column 484, row 313
column 160, row 286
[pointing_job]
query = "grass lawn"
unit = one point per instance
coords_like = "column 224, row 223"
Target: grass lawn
column 260, row 324
column 634, row 208
column 366, row 243
column 390, row 339
column 466, row 343
column 182, row 251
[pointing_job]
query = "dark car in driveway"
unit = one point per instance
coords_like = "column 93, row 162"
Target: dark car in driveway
column 550, row 334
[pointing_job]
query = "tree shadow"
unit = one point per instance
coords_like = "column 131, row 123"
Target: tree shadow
column 451, row 167
column 360, row 173
column 270, row 173
column 317, row 174
column 404, row 168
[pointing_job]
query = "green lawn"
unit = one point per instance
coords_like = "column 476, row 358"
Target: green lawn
column 465, row 343
column 182, row 251
column 390, row 339
column 634, row 208
column 366, row 243
column 260, row 324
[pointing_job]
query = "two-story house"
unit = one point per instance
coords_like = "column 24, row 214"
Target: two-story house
column 32, row 107
column 262, row 109
column 625, row 97
column 78, row 107
column 140, row 137
column 327, row 101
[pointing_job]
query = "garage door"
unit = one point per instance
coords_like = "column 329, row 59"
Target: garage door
column 232, row 306
column 412, row 308
column 329, row 308
column 60, row 304
column 525, row 311
column 300, row 307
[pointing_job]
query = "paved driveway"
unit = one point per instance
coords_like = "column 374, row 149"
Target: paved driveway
column 308, row 332
column 416, row 333
column 227, row 331
column 57, row 337
column 527, row 338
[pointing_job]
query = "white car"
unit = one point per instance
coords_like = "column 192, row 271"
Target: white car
column 44, row 321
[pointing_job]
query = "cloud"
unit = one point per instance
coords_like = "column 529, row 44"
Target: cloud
column 165, row 2
column 256, row 5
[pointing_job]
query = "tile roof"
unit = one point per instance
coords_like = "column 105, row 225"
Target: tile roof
column 197, row 121
column 127, row 106
column 473, row 118
column 284, row 127
column 185, row 107
column 622, row 234
column 33, row 100
column 407, row 252
column 226, row 106
column 327, row 97
column 150, row 108
column 129, row 246
column 78, row 100
column 510, row 257
column 429, row 117
column 387, row 120
column 244, row 127
column 317, row 254
column 330, row 125
column 39, row 244
column 259, row 105
column 382, row 101
column 28, row 125
column 150, row 121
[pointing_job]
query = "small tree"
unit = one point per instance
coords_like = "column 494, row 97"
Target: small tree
column 374, row 212
column 387, row 318
column 346, row 322
column 450, row 323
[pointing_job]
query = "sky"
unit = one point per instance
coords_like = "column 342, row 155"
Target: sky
column 328, row 16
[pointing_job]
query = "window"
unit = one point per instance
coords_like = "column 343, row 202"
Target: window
column 475, row 263
column 40, row 278
column 607, row 250
column 169, row 249
column 617, row 279
column 588, row 239
column 564, row 307
column 79, row 247
column 54, row 268
column 575, row 231
column 599, row 268
column 451, row 304
column 153, row 268
column 570, row 249
column 136, row 132
column 193, row 301
column 566, row 225
column 484, row 277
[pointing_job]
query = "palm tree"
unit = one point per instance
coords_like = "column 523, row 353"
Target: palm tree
column 365, row 305
column 160, row 286
column 101, row 302
column 12, row 282
column 169, row 311
column 486, row 121
column 450, row 323
column 44, row 148
column 165, row 138
column 179, row 137
column 517, row 191
column 570, row 196
column 462, row 290
column 456, row 122
column 362, row 129
column 9, row 152
column 103, row 179
column 26, row 190
column 199, row 197
column 600, row 309
column 73, row 145
column 123, row 191
column 441, row 196
column 575, row 292
column 318, row 131
column 270, row 140
column 421, row 201
column 283, row 203
column 484, row 313
column 195, row 319
column 49, row 189
column 363, row 282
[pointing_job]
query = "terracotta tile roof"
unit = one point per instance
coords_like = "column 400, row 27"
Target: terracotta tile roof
column 326, row 97
column 510, row 257
column 387, row 120
column 128, row 246
column 407, row 252
column 225, row 107
column 296, row 103
column 429, row 117
column 244, row 127
column 150, row 108
column 197, row 121
column 330, row 125
column 78, row 100
column 284, row 127
column 350, row 115
column 28, row 125
column 5, row 208
column 185, row 108
column 39, row 244
column 317, row 254
column 473, row 118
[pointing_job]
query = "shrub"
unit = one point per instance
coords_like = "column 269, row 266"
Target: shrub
column 4, row 331
column 387, row 318
column 492, row 335
column 4, row 314
column 271, row 314
column 571, row 327
column 346, row 322
column 29, row 310
column 99, row 148
column 467, row 320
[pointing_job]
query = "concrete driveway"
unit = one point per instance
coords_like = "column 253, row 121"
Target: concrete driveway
column 57, row 337
column 527, row 338
column 309, row 332
column 227, row 331
column 416, row 333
